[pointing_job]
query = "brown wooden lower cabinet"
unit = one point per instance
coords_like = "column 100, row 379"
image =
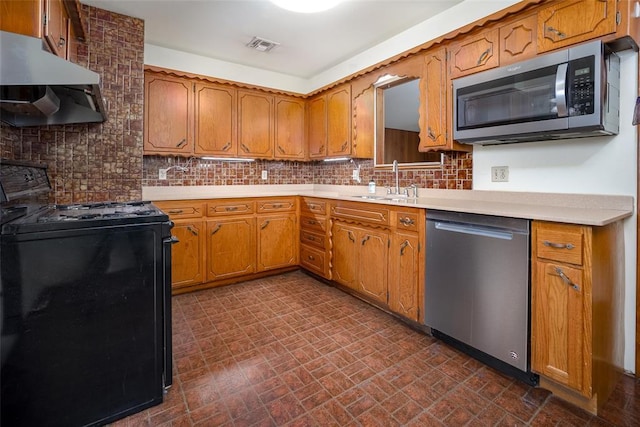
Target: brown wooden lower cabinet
column 576, row 310
column 231, row 247
column 277, row 241
column 188, row 254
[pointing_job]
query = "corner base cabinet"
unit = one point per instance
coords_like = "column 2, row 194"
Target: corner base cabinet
column 576, row 310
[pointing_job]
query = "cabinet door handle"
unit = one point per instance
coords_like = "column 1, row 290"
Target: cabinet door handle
column 406, row 221
column 215, row 230
column 192, row 231
column 554, row 245
column 403, row 246
column 365, row 239
column 430, row 134
column 566, row 279
column 483, row 56
column 344, row 146
column 556, row 32
column 320, row 150
column 181, row 143
column 226, row 146
column 281, row 150
column 350, row 234
column 231, row 208
column 176, row 211
column 61, row 42
column 264, row 225
column 245, row 148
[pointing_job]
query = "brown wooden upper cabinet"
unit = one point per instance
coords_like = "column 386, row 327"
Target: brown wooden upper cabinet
column 215, row 120
column 573, row 21
column 434, row 101
column 474, row 53
column 289, row 128
column 518, row 40
column 46, row 19
column 317, row 127
column 339, row 121
column 168, row 115
column 255, row 124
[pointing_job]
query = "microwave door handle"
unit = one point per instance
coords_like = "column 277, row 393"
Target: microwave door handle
column 561, row 89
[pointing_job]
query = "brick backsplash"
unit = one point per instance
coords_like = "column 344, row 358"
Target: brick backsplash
column 95, row 162
column 455, row 173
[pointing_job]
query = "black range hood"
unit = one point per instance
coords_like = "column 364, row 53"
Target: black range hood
column 38, row 88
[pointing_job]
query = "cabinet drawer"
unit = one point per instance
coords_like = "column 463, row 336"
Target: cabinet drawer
column 277, row 205
column 181, row 209
column 313, row 259
column 560, row 243
column 313, row 223
column 407, row 221
column 361, row 212
column 314, row 206
column 314, row 239
column 230, row 207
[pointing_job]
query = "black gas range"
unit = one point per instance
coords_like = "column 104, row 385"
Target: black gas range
column 38, row 218
column 85, row 296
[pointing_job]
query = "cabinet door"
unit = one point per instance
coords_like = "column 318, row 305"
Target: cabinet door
column 187, row 256
column 561, row 325
column 317, row 127
column 373, row 258
column 339, row 122
column 22, row 17
column 289, row 137
column 255, row 124
column 56, row 27
column 344, row 256
column 277, row 241
column 404, row 265
column 363, row 124
column 574, row 21
column 231, row 247
column 168, row 115
column 433, row 111
column 215, row 120
column 473, row 54
column 518, row 40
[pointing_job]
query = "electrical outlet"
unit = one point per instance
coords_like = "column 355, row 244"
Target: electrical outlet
column 162, row 173
column 265, row 174
column 499, row 173
column 356, row 174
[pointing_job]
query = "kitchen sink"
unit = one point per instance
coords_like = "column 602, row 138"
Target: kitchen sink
column 369, row 197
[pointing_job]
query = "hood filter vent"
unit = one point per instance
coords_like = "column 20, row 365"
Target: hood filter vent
column 261, row 45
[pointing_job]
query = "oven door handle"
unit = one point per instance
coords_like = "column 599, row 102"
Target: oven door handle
column 474, row 230
column 171, row 240
column 561, row 89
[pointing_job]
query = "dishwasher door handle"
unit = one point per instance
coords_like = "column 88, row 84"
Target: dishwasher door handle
column 474, row 230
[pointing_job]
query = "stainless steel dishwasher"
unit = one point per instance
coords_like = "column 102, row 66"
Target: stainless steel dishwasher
column 477, row 287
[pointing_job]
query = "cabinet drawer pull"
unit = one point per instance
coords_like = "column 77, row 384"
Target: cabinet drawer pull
column 314, row 207
column 556, row 32
column 483, row 56
column 215, row 230
column 566, row 279
column 350, row 235
column 403, row 246
column 312, row 222
column 313, row 239
column 181, row 143
column 192, row 231
column 264, row 225
column 567, row 246
column 406, row 221
column 311, row 258
column 276, row 206
column 231, row 208
column 175, row 211
column 365, row 239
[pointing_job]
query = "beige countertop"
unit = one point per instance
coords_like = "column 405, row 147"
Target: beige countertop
column 587, row 209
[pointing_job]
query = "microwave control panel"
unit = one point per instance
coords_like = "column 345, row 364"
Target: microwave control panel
column 581, row 86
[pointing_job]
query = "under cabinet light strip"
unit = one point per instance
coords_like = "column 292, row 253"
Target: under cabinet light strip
column 228, row 159
column 337, row 159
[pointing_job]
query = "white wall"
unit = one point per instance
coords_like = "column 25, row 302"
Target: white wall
column 599, row 165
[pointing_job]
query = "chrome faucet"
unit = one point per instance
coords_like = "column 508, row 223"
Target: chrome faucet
column 395, row 170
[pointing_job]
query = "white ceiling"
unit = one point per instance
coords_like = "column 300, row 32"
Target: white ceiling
column 309, row 43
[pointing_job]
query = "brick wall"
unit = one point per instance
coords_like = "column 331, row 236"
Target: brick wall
column 95, row 162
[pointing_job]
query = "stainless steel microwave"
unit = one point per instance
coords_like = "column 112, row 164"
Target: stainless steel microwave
column 571, row 93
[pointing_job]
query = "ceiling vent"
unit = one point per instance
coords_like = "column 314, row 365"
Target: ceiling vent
column 261, row 45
